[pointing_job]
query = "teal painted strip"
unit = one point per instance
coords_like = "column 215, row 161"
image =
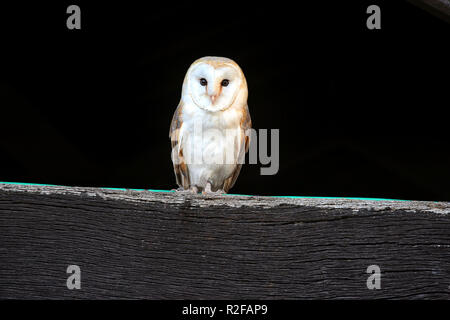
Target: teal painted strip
column 242, row 195
column 30, row 184
column 55, row 185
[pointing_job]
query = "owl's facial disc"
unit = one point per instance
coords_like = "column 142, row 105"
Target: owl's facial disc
column 214, row 89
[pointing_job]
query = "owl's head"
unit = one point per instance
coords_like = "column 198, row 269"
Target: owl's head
column 214, row 83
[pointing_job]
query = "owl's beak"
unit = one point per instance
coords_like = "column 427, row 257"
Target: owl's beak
column 213, row 98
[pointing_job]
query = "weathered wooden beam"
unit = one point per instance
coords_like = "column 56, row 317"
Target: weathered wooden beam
column 167, row 245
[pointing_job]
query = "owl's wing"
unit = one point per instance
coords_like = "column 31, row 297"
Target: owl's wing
column 179, row 165
column 246, row 123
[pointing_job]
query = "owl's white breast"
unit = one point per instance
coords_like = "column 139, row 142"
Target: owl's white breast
column 210, row 137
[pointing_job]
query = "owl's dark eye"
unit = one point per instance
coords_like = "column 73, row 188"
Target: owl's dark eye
column 225, row 82
column 203, row 82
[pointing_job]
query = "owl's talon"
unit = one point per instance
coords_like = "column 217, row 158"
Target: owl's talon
column 208, row 190
column 193, row 189
column 182, row 190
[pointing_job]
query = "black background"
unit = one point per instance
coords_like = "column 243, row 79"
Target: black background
column 361, row 112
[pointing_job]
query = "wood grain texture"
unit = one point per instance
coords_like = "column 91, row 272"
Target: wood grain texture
column 162, row 245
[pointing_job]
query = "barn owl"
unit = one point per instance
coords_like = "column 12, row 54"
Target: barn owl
column 209, row 126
